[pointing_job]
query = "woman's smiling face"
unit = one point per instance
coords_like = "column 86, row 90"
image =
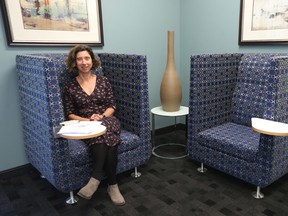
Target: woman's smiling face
column 84, row 62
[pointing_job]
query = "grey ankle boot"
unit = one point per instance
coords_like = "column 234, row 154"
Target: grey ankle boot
column 115, row 195
column 89, row 189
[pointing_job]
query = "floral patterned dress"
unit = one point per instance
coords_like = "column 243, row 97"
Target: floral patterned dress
column 78, row 102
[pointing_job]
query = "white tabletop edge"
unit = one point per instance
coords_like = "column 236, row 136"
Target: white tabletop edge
column 99, row 130
column 181, row 112
column 269, row 127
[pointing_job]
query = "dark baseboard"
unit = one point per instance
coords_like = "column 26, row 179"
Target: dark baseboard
column 15, row 170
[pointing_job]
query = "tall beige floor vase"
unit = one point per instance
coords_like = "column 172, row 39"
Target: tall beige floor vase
column 171, row 89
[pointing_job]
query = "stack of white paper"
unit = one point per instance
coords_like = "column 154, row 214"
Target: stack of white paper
column 83, row 127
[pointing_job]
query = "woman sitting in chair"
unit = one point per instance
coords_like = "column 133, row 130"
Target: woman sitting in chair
column 90, row 98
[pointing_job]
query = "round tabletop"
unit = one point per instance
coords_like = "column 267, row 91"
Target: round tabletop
column 269, row 127
column 181, row 112
column 93, row 130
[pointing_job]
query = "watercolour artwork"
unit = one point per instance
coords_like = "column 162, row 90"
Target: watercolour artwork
column 269, row 15
column 55, row 15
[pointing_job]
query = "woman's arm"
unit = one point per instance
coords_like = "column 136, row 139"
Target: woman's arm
column 69, row 105
column 76, row 117
column 98, row 117
column 109, row 102
column 108, row 112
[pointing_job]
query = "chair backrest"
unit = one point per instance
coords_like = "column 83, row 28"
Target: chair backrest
column 212, row 83
column 257, row 85
column 128, row 77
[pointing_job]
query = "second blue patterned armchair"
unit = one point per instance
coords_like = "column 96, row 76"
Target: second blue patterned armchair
column 66, row 163
column 226, row 91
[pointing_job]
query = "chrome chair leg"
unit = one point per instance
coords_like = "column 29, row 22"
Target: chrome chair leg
column 258, row 194
column 72, row 199
column 136, row 174
column 201, row 169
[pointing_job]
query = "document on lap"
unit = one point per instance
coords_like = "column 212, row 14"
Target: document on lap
column 82, row 127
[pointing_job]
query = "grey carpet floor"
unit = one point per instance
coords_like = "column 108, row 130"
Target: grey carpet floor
column 166, row 187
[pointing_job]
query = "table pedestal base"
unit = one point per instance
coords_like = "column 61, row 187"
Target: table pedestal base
column 168, row 157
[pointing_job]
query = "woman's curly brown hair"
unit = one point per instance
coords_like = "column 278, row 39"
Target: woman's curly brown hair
column 71, row 59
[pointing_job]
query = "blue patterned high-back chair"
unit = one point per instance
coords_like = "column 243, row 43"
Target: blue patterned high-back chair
column 66, row 164
column 226, row 91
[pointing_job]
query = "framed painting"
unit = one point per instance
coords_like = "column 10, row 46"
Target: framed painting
column 52, row 22
column 263, row 21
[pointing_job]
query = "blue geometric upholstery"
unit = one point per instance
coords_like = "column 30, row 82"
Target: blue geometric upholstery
column 66, row 164
column 255, row 88
column 225, row 138
column 226, row 90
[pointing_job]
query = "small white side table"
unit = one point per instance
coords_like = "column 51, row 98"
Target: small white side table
column 183, row 111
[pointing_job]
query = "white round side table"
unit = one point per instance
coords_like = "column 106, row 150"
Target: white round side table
column 183, row 111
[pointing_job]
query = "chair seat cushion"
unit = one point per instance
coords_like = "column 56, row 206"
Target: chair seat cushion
column 80, row 154
column 232, row 139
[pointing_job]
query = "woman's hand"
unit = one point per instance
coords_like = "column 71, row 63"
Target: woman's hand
column 96, row 117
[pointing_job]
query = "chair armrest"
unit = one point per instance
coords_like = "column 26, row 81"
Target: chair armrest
column 269, row 127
